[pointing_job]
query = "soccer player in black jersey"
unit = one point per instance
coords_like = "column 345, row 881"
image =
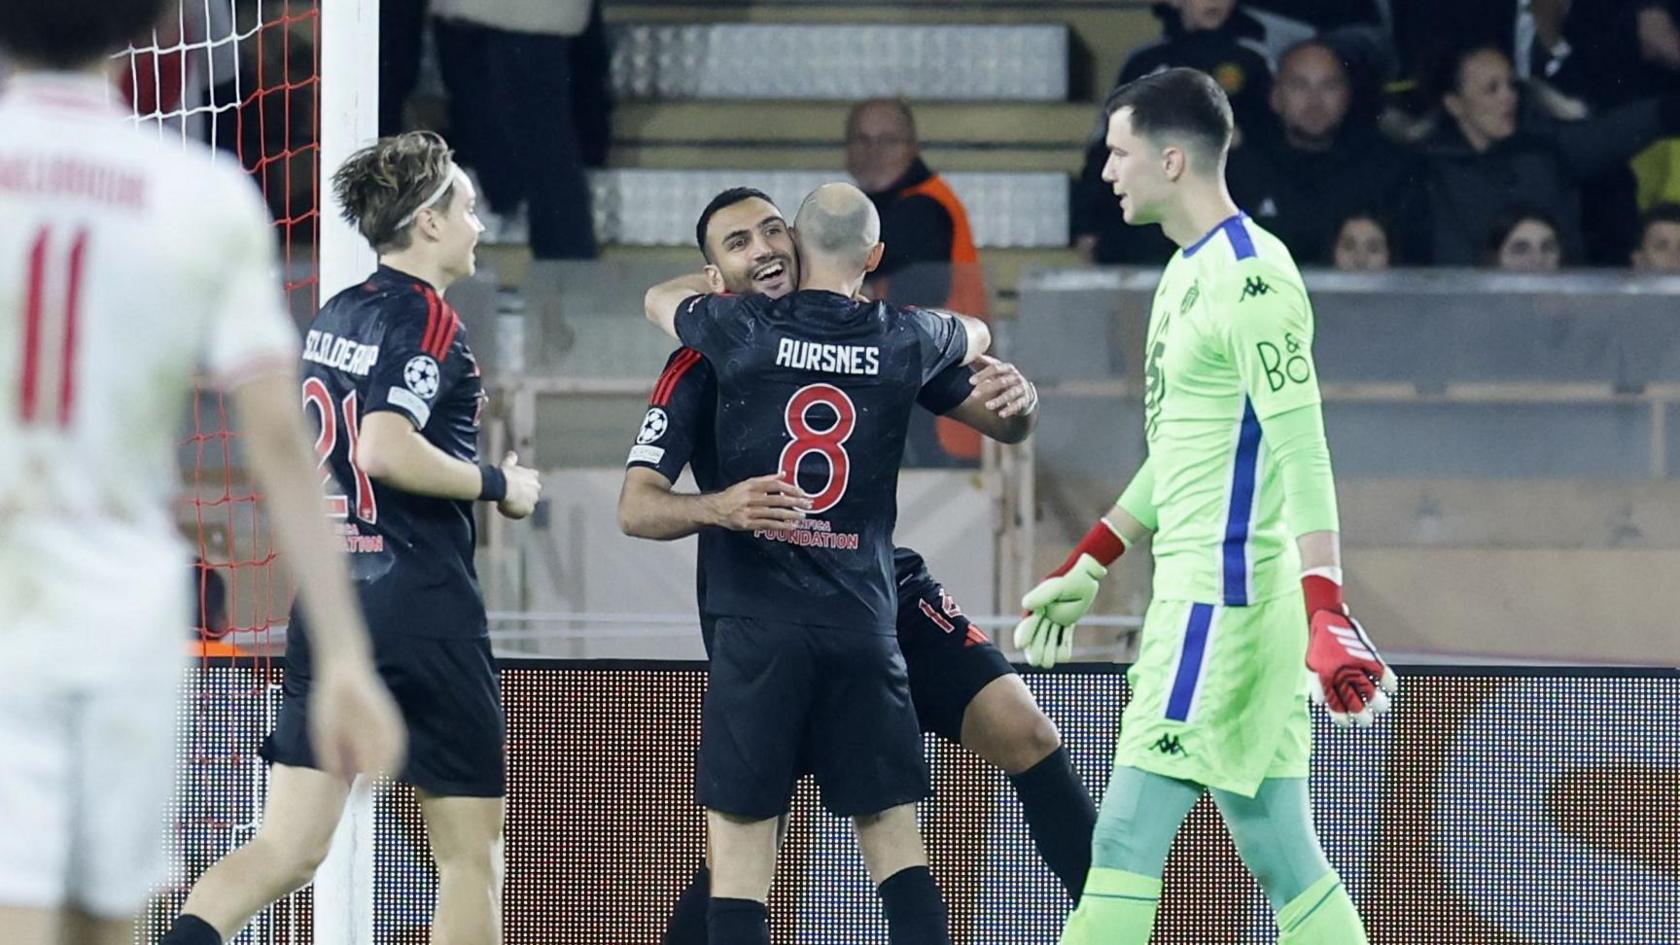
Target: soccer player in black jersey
column 388, row 376
column 806, row 669
column 963, row 687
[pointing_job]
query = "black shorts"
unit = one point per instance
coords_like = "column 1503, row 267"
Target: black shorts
column 787, row 698
column 450, row 695
column 950, row 660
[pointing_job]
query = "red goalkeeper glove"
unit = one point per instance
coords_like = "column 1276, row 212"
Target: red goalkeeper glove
column 1349, row 678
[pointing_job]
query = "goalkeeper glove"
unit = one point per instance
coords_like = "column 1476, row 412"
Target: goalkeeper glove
column 1061, row 600
column 1348, row 677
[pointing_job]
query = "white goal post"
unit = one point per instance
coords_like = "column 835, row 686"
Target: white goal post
column 349, row 118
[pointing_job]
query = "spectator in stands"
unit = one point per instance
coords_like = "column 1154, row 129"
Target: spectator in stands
column 1492, row 147
column 525, row 100
column 1525, row 241
column 402, row 29
column 1208, row 35
column 1659, row 240
column 930, row 258
column 1204, row 35
column 1361, row 243
column 1303, row 174
column 1608, row 52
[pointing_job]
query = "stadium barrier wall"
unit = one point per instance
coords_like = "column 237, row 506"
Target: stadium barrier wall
column 1513, row 806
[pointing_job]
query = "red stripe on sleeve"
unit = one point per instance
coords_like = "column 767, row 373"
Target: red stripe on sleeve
column 665, row 376
column 434, row 320
column 673, row 374
column 446, row 337
column 32, row 325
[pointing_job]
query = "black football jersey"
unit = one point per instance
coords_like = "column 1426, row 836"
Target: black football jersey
column 819, row 387
column 393, row 343
column 677, row 430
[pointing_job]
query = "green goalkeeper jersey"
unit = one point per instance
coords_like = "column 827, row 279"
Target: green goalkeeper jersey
column 1229, row 347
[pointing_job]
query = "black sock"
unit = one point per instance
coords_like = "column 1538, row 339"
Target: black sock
column 915, row 909
column 688, row 920
column 1060, row 816
column 738, row 922
column 190, row 930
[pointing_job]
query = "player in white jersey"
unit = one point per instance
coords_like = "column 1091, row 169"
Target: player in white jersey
column 127, row 265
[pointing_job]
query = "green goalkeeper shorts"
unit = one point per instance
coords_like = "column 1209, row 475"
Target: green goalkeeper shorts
column 1219, row 694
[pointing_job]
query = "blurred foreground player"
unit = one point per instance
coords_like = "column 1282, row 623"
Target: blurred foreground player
column 806, row 668
column 388, row 374
column 962, row 685
column 1247, row 614
column 126, row 265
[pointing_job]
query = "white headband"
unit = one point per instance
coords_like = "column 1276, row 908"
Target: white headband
column 448, row 182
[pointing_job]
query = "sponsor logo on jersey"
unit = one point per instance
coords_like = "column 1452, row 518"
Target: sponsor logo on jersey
column 1285, row 365
column 1168, row 745
column 654, row 426
column 340, row 354
column 830, row 359
column 643, row 453
column 421, row 376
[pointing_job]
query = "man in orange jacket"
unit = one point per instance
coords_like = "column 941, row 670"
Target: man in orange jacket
column 930, row 258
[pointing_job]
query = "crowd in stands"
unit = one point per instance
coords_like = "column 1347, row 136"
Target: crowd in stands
column 1507, row 140
column 1527, row 135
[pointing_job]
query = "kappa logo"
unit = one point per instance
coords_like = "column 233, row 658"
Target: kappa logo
column 1168, row 745
column 1254, row 287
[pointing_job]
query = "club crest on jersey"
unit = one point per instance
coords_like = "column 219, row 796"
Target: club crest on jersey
column 421, row 376
column 653, row 426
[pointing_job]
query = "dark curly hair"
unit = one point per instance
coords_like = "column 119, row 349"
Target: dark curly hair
column 385, row 183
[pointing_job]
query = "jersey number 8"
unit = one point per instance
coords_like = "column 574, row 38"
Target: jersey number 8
column 338, row 506
column 828, row 443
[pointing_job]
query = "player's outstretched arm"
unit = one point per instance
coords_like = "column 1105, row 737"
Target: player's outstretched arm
column 1062, row 599
column 650, row 507
column 1004, row 404
column 661, row 302
column 355, row 726
column 392, row 451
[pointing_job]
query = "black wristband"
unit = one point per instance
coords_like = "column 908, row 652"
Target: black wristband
column 492, row 484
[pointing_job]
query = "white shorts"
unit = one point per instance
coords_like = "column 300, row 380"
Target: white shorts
column 93, row 631
column 84, row 791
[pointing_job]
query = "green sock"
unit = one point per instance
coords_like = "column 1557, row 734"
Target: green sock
column 1323, row 915
column 1118, row 908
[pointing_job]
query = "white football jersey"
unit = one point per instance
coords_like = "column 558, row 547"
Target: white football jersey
column 128, row 265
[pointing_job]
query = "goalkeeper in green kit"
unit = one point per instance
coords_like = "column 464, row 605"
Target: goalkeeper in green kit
column 1246, row 619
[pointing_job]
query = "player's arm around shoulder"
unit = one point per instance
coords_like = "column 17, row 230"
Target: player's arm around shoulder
column 948, row 338
column 664, row 302
column 1001, row 403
